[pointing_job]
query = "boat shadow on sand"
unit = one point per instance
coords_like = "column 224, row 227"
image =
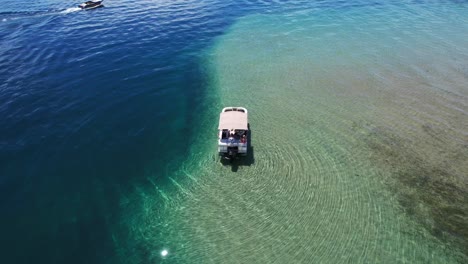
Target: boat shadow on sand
column 241, row 161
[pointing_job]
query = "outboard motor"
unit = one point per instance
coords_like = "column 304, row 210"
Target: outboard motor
column 232, row 152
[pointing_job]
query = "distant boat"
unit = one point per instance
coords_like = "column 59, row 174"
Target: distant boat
column 91, row 4
column 233, row 132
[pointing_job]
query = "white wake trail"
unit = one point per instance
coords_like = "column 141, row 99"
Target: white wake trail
column 70, row 10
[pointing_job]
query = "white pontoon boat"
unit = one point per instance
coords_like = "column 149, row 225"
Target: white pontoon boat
column 233, row 132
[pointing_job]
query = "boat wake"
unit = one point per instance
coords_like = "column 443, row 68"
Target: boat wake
column 7, row 16
column 70, row 10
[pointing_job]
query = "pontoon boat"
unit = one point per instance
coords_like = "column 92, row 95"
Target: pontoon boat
column 233, row 132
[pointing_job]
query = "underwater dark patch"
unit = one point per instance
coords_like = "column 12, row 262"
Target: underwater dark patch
column 431, row 194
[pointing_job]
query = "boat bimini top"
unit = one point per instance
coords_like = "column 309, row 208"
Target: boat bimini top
column 233, row 118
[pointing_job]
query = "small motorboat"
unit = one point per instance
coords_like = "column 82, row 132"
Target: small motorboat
column 91, row 4
column 233, row 132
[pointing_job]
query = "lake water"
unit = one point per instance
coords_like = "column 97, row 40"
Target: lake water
column 358, row 111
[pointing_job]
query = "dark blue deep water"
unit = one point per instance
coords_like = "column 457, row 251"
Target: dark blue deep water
column 91, row 102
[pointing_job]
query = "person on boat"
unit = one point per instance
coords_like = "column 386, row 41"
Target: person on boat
column 243, row 139
column 231, row 134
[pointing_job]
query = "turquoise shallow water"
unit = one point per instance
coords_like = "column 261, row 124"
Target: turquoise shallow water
column 358, row 136
column 355, row 117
